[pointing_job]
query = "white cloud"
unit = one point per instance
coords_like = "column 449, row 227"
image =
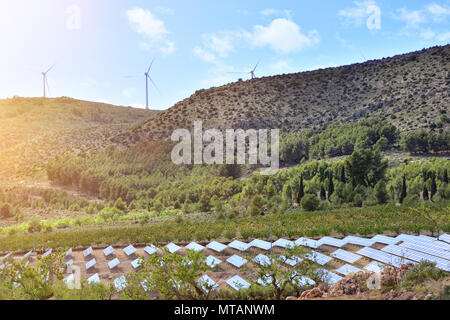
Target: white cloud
column 427, row 34
column 358, row 15
column 166, row 11
column 276, row 12
column 204, row 55
column 412, row 18
column 438, row 12
column 283, row 36
column 154, row 29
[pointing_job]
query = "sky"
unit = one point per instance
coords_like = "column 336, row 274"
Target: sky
column 101, row 49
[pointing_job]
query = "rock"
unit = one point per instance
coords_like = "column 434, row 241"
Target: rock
column 291, row 298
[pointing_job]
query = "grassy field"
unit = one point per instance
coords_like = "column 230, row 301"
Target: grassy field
column 387, row 219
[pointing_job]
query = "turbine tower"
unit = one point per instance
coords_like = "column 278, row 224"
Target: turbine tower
column 147, row 77
column 45, row 80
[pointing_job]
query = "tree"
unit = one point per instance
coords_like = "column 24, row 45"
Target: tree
column 301, row 190
column 256, row 206
column 120, row 204
column 310, row 202
column 366, row 167
column 381, row 193
column 176, row 277
column 403, row 192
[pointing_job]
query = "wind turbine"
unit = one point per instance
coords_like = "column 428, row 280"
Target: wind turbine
column 45, row 80
column 147, row 77
column 252, row 72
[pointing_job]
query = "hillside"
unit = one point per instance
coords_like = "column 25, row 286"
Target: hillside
column 410, row 90
column 33, row 130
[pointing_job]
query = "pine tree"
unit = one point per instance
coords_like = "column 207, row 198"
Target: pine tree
column 433, row 186
column 403, row 193
column 301, row 190
column 343, row 180
column 445, row 179
column 330, row 185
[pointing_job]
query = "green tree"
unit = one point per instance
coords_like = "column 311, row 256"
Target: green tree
column 310, row 202
column 381, row 193
column 256, row 206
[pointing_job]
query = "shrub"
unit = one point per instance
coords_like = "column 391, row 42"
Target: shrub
column 5, row 211
column 310, row 202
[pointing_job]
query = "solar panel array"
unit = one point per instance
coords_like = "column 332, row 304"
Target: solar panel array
column 346, row 256
column 426, row 248
column 417, row 256
column 264, row 245
column 307, row 242
column 237, row 261
column 136, row 263
column 49, row 252
column 94, row 279
column 237, row 283
column 374, row 266
column 216, row 246
column 347, row 269
column 120, row 283
column 172, row 247
column 331, row 242
column 292, row 261
column 384, row 257
column 384, row 239
column 283, row 243
column 207, row 283
column 150, row 250
column 212, row 261
column 195, row 247
column 88, row 252
column 108, row 251
column 327, row 276
column 130, row 250
column 239, row 245
column 318, row 257
column 90, row 264
column 113, row 263
column 263, row 260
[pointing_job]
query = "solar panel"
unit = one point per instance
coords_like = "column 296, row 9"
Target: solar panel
column 27, row 263
column 237, row 261
column 237, row 283
column 136, row 263
column 283, row 243
column 318, row 258
column 2, row 267
column 68, row 252
column 359, row 241
column 69, row 263
column 433, row 244
column 376, row 267
column 94, row 279
column 239, row 245
column 90, row 264
column 108, row 251
column 327, row 276
column 331, row 242
column 120, row 283
column 307, row 242
column 292, row 261
column 384, row 239
column 207, row 283
column 49, row 252
column 216, row 246
column 266, row 281
column 347, row 269
column 417, row 256
column 346, row 256
column 130, row 250
column 87, row 252
column 304, row 281
column 144, row 285
column 383, row 257
column 172, row 247
column 263, row 260
column 195, row 247
column 27, row 255
column 150, row 250
column 213, row 261
column 113, row 263
column 404, row 237
column 445, row 237
column 264, row 245
column 426, row 249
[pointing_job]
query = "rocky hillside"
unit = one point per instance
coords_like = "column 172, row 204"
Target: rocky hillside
column 411, row 90
column 32, row 130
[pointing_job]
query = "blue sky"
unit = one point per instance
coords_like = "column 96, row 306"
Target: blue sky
column 102, row 48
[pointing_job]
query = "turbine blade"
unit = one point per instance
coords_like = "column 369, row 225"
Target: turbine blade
column 49, row 69
column 153, row 82
column 151, row 64
column 256, row 66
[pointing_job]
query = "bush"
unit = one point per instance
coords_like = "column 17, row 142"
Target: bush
column 5, row 211
column 310, row 202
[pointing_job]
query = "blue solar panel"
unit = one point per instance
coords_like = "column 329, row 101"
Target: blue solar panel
column 307, row 243
column 375, row 266
column 236, row 261
column 207, row 283
column 384, row 257
column 347, row 269
column 292, row 261
column 318, row 258
column 327, row 276
column 216, row 246
column 264, row 245
column 195, row 247
column 332, row 242
column 359, row 241
column 283, row 243
column 385, row 239
column 263, row 260
column 423, row 247
column 346, row 256
column 172, row 247
column 213, row 261
column 239, row 245
column 238, row 283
